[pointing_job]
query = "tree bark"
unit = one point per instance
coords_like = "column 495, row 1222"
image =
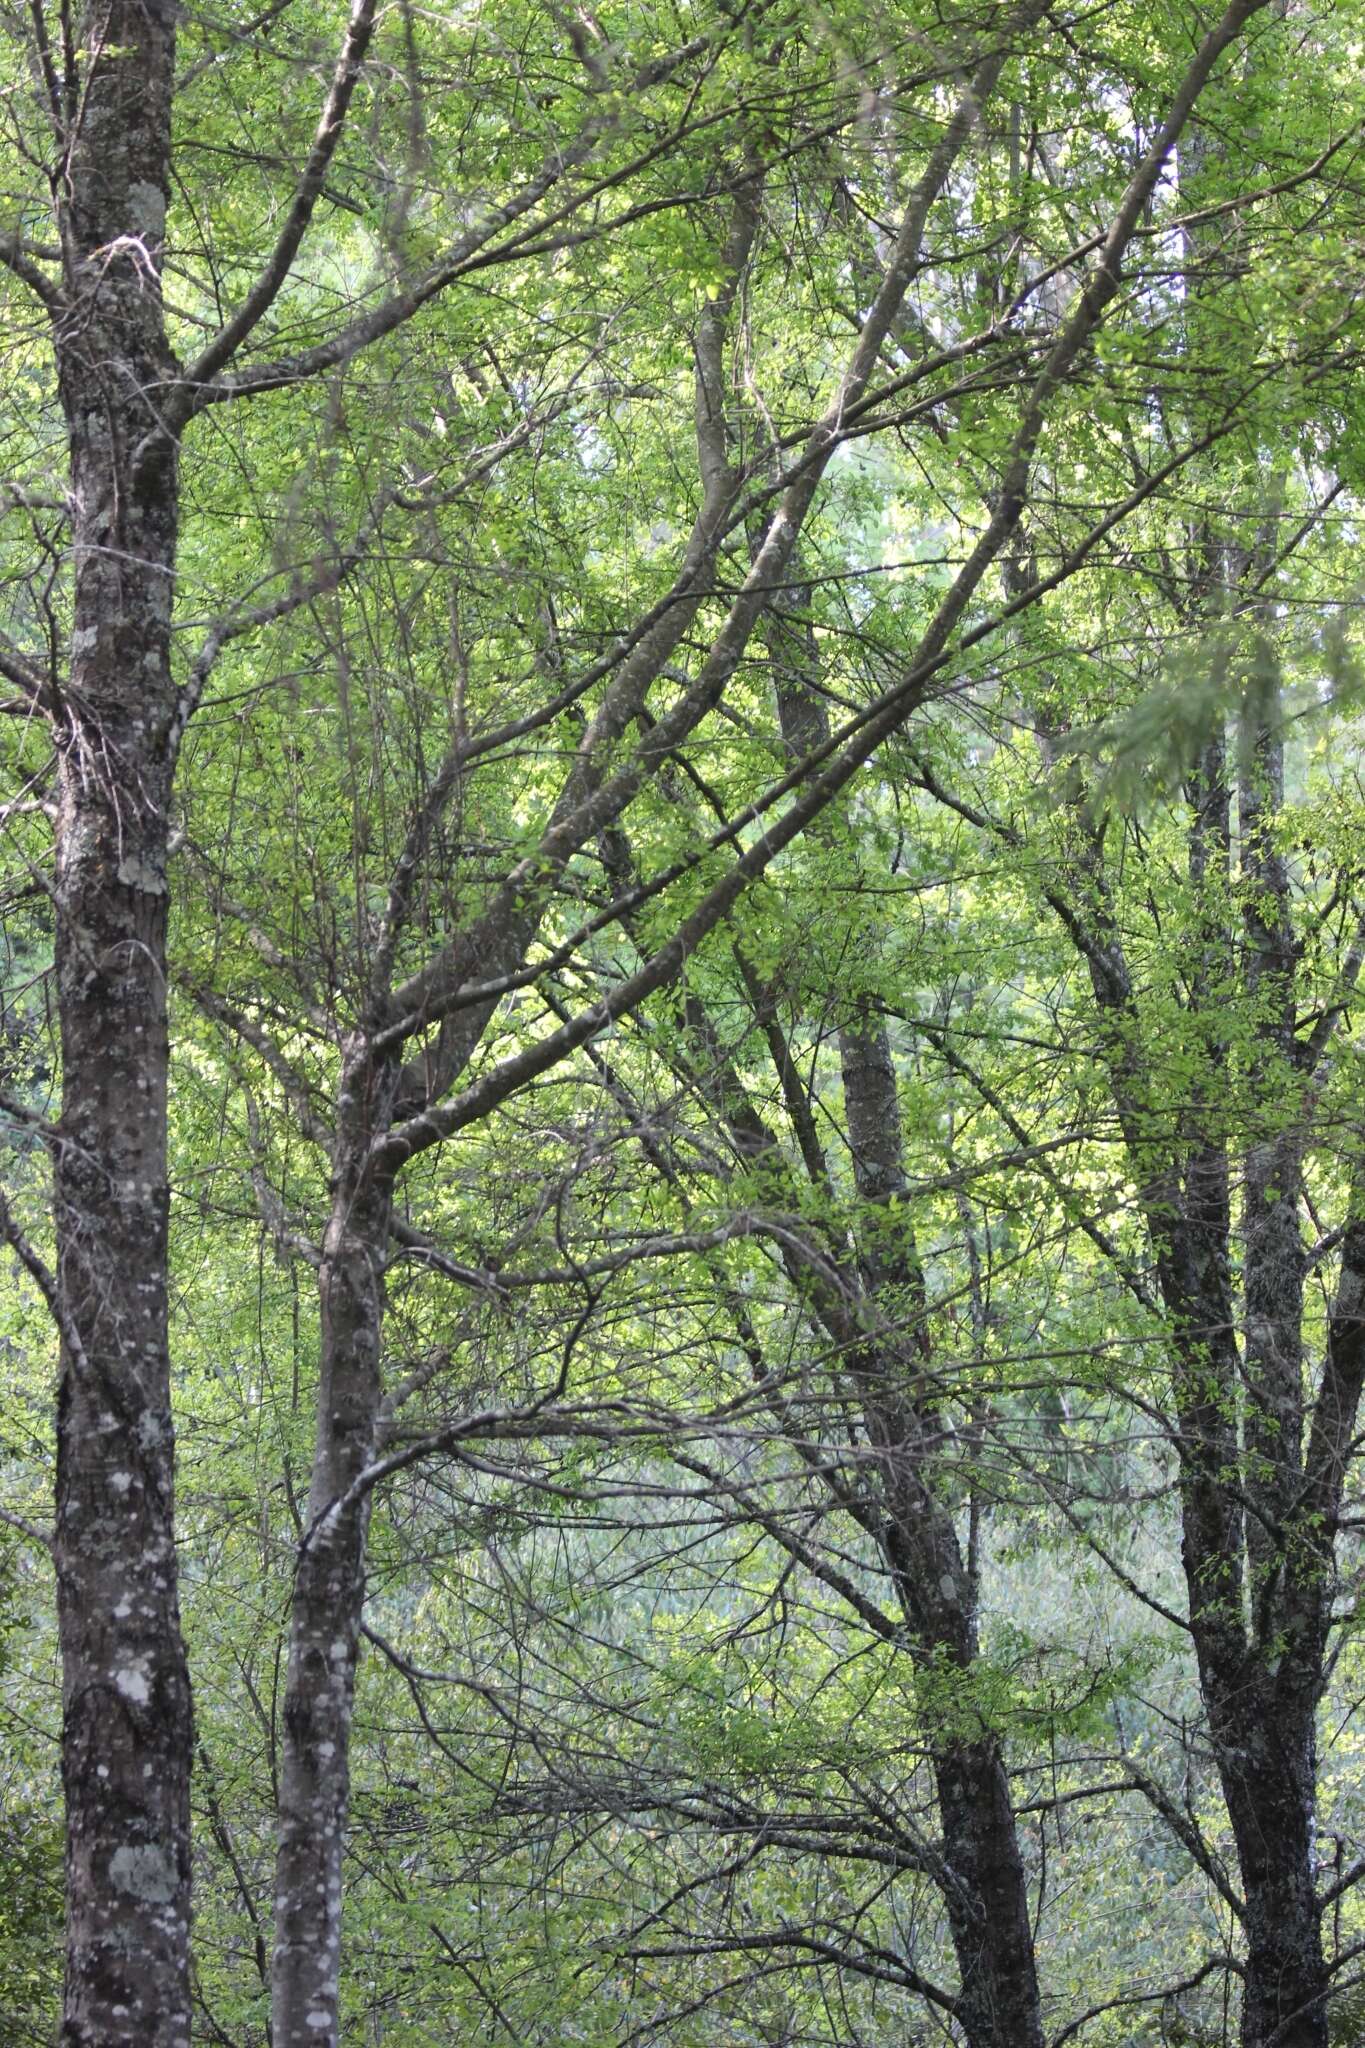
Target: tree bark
column 988, row 1904
column 329, row 1584
column 1258, row 1515
column 1256, row 1547
column 1267, row 1764
column 1270, row 1771
column 127, row 1737
column 987, row 1891
column 986, row 1896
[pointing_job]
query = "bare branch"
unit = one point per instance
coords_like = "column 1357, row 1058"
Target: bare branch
column 261, row 297
column 44, row 1280
column 396, row 310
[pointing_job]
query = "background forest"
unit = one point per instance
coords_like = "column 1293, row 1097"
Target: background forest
column 683, row 868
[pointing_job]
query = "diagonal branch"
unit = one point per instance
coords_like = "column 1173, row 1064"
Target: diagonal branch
column 43, row 1278
column 259, row 300
column 401, row 306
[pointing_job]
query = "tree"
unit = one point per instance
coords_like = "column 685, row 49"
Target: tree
column 580, row 152
column 1264, row 1445
column 1221, row 971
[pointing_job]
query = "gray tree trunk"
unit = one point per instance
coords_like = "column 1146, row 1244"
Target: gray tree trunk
column 329, row 1584
column 127, row 1741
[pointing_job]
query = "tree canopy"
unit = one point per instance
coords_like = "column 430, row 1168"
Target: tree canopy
column 683, row 1189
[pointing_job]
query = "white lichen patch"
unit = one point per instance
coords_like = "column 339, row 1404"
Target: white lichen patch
column 144, row 1871
column 135, row 873
column 131, row 1681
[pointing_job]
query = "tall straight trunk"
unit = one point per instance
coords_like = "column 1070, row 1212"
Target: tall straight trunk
column 126, row 1738
column 1270, row 1771
column 1261, row 1678
column 329, row 1585
column 1258, row 1602
column 1259, row 1511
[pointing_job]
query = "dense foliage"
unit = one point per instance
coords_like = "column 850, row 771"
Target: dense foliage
column 683, row 903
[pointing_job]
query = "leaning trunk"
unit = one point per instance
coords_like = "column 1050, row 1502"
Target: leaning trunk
column 986, row 1888
column 126, row 1742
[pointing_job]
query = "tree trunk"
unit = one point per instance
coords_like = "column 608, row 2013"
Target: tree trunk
column 986, row 1896
column 988, row 1902
column 127, row 1738
column 1269, row 1769
column 1269, row 1783
column 329, row 1584
column 1260, row 1685
column 1256, row 1536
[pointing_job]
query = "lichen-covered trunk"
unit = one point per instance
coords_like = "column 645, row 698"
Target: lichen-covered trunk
column 329, row 1585
column 127, row 1739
